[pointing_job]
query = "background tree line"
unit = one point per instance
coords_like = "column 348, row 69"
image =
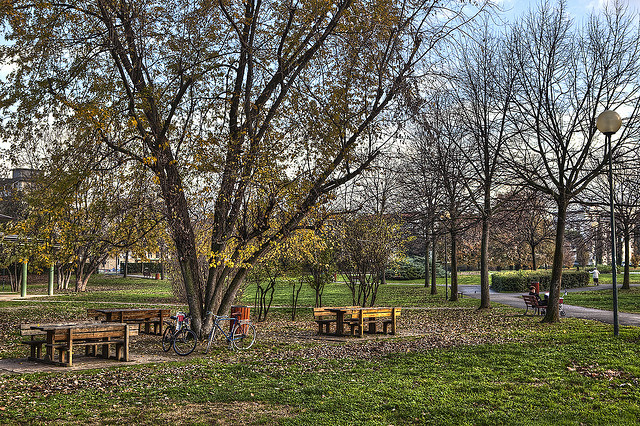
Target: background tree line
column 248, row 122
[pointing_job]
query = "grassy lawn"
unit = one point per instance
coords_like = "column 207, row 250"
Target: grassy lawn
column 338, row 294
column 628, row 300
column 456, row 366
column 606, row 279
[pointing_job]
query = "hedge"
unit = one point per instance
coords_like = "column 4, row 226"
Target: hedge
column 519, row 281
column 410, row 268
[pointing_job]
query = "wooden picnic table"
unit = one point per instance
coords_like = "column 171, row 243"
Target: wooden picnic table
column 340, row 314
column 62, row 338
column 146, row 316
column 361, row 316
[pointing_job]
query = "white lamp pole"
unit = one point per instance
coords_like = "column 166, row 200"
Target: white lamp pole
column 608, row 123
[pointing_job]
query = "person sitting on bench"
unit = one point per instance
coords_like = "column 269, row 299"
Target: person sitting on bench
column 533, row 292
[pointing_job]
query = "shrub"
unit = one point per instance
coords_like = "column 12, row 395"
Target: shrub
column 604, row 269
column 409, row 268
column 519, row 281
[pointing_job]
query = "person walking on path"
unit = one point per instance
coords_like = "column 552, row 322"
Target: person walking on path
column 596, row 275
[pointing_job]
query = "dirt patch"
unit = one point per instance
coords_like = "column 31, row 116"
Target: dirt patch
column 236, row 413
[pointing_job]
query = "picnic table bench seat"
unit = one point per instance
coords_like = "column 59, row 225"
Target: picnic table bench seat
column 324, row 318
column 89, row 335
column 35, row 341
column 152, row 319
column 370, row 316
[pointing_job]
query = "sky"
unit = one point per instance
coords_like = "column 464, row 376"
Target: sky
column 577, row 8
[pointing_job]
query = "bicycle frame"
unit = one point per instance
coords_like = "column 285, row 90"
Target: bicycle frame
column 216, row 324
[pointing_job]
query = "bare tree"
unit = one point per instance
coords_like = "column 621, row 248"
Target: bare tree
column 566, row 77
column 524, row 218
column 627, row 206
column 421, row 193
column 484, row 90
column 452, row 169
column 369, row 243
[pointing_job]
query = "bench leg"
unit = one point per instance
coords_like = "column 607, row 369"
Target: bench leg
column 119, row 351
column 352, row 326
column 105, row 350
column 36, row 350
column 126, row 344
column 66, row 356
column 68, row 351
column 91, row 350
column 372, row 327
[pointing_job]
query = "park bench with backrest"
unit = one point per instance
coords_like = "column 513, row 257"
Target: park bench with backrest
column 532, row 302
column 371, row 316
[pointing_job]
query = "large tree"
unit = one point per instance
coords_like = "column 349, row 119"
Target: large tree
column 255, row 108
column 448, row 162
column 484, row 89
column 568, row 75
column 421, row 190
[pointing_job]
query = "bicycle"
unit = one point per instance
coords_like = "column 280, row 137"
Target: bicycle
column 242, row 335
column 179, row 336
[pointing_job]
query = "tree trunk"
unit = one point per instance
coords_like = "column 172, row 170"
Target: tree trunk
column 183, row 236
column 553, row 313
column 454, row 268
column 485, row 301
column 126, row 264
column 534, row 263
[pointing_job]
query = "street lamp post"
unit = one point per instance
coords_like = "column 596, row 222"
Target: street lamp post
column 445, row 216
column 446, row 281
column 608, row 123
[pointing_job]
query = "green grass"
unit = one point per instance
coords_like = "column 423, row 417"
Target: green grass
column 628, row 300
column 468, row 368
column 338, row 294
column 111, row 288
column 572, row 373
column 606, row 278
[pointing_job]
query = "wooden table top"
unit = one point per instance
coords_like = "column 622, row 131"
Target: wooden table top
column 112, row 310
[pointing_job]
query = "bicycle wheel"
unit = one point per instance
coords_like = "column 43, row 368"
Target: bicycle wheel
column 167, row 338
column 185, row 342
column 243, row 336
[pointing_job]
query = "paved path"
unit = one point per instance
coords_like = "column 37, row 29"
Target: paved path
column 515, row 300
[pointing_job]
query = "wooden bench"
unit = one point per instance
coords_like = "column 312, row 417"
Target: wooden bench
column 60, row 339
column 324, row 319
column 36, row 340
column 532, row 302
column 370, row 316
